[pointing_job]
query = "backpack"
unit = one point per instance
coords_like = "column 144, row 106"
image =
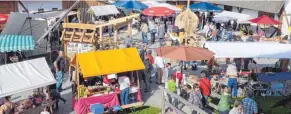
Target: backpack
column 62, row 64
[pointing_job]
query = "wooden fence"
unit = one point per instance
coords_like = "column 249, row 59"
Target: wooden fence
column 179, row 99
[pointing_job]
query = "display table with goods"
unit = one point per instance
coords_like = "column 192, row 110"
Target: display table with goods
column 106, row 92
column 35, row 104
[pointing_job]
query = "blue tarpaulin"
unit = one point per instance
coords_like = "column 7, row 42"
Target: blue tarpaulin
column 281, row 76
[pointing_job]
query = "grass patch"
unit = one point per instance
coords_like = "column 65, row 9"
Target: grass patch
column 141, row 110
column 266, row 104
column 147, row 110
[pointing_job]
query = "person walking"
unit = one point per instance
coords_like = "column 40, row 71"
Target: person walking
column 161, row 33
column 60, row 66
column 55, row 95
column 147, row 73
column 159, row 62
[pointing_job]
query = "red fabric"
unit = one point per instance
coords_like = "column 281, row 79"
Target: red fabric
column 151, row 58
column 139, row 95
column 158, row 11
column 205, row 86
column 82, row 106
column 178, row 76
column 265, row 20
column 3, row 18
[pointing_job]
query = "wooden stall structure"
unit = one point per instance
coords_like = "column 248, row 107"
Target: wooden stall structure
column 92, row 34
column 104, row 63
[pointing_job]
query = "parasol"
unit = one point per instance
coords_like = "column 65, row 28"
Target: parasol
column 265, row 20
column 3, row 18
column 158, row 11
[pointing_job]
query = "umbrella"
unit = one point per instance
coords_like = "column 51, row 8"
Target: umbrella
column 289, row 29
column 205, row 7
column 184, row 53
column 3, row 18
column 158, row 11
column 266, row 20
column 188, row 21
column 223, row 19
column 133, row 5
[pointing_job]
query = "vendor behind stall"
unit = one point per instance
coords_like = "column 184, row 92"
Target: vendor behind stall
column 124, row 89
column 231, row 72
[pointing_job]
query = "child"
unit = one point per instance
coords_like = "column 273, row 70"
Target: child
column 224, row 103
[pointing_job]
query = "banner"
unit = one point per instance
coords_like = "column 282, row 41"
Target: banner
column 73, row 48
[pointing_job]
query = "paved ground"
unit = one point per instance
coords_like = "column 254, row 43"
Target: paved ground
column 152, row 98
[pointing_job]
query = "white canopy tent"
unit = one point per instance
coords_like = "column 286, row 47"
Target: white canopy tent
column 240, row 17
column 24, row 76
column 249, row 50
column 104, row 10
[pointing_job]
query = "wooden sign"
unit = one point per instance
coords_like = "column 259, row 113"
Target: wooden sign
column 74, row 48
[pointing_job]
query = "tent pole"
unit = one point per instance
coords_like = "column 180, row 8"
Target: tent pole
column 78, row 77
column 138, row 83
column 5, row 58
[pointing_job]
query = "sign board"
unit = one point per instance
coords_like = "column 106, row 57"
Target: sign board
column 74, row 48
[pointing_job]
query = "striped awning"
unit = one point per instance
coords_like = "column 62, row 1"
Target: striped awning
column 16, row 43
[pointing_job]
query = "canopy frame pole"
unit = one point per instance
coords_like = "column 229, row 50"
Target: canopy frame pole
column 137, row 77
column 78, row 77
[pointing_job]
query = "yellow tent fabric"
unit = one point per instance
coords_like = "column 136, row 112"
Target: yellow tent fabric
column 109, row 62
column 289, row 29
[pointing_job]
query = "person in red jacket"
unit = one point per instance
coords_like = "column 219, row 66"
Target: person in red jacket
column 205, row 87
column 151, row 58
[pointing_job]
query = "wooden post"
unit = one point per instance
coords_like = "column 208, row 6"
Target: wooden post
column 78, row 78
column 66, row 48
column 101, row 36
column 137, row 77
column 115, row 34
column 129, row 28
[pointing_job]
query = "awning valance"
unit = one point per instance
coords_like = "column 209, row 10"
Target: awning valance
column 249, row 50
column 104, row 10
column 16, row 43
column 24, row 76
column 109, row 62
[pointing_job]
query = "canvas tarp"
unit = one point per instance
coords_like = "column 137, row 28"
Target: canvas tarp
column 249, row 50
column 240, row 17
column 109, row 62
column 24, row 76
column 19, row 24
column 104, row 10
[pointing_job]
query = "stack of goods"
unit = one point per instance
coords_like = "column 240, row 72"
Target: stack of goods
column 33, row 101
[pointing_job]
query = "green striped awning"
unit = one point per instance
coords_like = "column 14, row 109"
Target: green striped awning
column 16, row 43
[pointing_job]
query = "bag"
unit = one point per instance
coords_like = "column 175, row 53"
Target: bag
column 62, row 64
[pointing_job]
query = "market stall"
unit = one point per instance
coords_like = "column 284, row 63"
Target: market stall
column 79, row 37
column 107, row 64
column 15, row 43
column 261, row 81
column 23, row 76
column 239, row 17
column 105, row 10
